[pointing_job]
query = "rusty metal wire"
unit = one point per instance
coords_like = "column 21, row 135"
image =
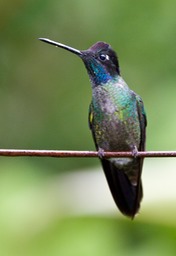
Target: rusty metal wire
column 70, row 153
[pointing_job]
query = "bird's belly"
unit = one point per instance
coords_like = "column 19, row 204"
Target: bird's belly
column 115, row 135
column 118, row 136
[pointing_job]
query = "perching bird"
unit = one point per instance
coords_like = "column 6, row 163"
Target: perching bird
column 118, row 123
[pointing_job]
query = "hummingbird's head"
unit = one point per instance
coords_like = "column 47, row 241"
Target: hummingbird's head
column 100, row 60
column 101, row 63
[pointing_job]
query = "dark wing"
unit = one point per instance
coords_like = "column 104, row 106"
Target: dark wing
column 91, row 120
column 143, row 123
column 142, row 120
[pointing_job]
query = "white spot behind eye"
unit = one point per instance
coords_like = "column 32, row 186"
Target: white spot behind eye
column 107, row 57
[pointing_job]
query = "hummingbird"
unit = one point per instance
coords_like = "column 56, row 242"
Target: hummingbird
column 117, row 121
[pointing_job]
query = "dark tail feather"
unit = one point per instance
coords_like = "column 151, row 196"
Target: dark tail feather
column 126, row 196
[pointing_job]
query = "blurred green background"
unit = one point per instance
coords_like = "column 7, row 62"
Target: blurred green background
column 63, row 206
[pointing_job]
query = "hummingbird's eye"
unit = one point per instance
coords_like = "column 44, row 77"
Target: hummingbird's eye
column 103, row 57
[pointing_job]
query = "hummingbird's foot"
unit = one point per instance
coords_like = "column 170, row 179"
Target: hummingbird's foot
column 135, row 152
column 101, row 153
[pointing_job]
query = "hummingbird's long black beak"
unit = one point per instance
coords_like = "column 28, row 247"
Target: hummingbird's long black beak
column 66, row 47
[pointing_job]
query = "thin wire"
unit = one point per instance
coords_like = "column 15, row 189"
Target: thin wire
column 70, row 153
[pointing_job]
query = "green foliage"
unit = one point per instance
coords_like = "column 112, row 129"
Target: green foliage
column 40, row 215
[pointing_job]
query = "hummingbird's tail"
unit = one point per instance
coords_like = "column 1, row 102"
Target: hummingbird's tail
column 126, row 195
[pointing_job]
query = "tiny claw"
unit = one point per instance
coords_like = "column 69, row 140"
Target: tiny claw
column 101, row 153
column 135, row 152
